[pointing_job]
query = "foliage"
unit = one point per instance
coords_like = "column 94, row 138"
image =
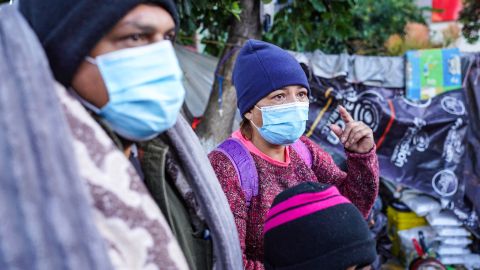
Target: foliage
column 212, row 18
column 354, row 26
column 417, row 36
column 395, row 45
column 333, row 26
column 307, row 25
column 470, row 18
column 377, row 20
column 450, row 34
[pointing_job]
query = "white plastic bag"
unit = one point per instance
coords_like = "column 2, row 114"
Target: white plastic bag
column 444, row 250
column 406, row 237
column 451, row 231
column 421, row 204
column 443, row 219
column 471, row 261
column 454, row 241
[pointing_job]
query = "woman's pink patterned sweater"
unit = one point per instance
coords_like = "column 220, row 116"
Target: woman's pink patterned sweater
column 359, row 184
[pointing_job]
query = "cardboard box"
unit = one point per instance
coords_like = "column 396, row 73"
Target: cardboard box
column 432, row 72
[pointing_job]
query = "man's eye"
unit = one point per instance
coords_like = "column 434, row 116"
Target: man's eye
column 137, row 37
column 170, row 37
column 278, row 97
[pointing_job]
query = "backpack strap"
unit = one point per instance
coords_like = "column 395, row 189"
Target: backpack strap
column 303, row 152
column 244, row 165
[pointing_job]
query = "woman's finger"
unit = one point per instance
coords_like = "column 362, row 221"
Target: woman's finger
column 337, row 130
column 347, row 118
column 348, row 129
column 353, row 131
column 363, row 133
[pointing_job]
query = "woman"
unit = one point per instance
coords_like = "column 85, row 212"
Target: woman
column 272, row 96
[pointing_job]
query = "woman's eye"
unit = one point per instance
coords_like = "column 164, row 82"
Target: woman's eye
column 303, row 95
column 278, row 97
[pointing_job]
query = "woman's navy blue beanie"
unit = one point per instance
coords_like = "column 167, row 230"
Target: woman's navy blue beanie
column 262, row 68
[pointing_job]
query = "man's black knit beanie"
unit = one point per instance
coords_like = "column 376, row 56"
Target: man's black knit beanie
column 69, row 29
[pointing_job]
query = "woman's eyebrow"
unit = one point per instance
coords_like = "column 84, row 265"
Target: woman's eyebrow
column 278, row 91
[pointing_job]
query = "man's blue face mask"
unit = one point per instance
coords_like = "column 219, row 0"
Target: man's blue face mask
column 145, row 90
column 283, row 124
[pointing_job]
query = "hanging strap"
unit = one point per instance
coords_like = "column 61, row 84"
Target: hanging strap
column 302, row 150
column 244, row 166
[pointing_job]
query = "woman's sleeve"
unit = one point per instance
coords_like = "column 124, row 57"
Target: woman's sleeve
column 359, row 183
column 226, row 174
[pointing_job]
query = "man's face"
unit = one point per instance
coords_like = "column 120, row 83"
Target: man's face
column 143, row 25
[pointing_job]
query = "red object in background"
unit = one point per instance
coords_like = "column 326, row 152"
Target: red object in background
column 418, row 248
column 195, row 122
column 450, row 10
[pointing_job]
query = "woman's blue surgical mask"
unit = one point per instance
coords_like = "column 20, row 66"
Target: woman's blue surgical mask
column 283, row 124
column 145, row 90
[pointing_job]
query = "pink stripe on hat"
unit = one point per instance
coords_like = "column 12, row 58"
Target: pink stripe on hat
column 302, row 199
column 303, row 211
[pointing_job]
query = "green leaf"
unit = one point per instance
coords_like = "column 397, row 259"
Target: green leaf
column 235, row 9
column 318, row 5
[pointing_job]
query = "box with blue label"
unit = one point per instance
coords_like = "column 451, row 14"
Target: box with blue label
column 432, row 72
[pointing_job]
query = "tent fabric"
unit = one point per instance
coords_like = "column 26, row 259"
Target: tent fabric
column 419, row 137
column 420, row 145
column 369, row 70
column 47, row 219
column 198, row 73
column 471, row 83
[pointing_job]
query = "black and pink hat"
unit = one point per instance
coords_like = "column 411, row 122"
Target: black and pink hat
column 312, row 226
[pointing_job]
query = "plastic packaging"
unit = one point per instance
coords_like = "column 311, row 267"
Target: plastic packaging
column 421, row 204
column 471, row 261
column 401, row 218
column 443, row 219
column 451, row 231
column 454, row 241
column 444, row 250
column 406, row 237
